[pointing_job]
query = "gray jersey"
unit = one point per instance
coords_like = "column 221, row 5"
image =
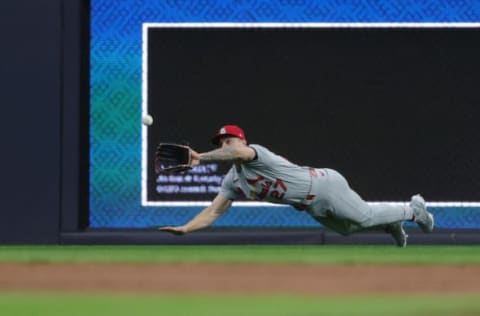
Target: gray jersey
column 323, row 193
column 268, row 177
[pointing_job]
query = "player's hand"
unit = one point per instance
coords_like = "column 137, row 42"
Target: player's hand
column 195, row 158
column 176, row 230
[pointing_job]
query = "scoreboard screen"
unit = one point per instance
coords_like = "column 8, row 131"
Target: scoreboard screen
column 392, row 106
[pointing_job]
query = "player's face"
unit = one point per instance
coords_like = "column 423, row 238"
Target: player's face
column 230, row 142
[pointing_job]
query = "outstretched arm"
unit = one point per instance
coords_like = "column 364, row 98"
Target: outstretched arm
column 205, row 218
column 242, row 153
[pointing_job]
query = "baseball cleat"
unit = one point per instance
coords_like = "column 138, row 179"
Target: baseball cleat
column 398, row 234
column 423, row 218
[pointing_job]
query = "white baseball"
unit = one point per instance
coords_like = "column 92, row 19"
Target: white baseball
column 147, row 119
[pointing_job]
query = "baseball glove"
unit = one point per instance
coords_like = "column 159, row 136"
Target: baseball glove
column 172, row 158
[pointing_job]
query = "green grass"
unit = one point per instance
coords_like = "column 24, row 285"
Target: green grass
column 92, row 304
column 53, row 304
column 243, row 254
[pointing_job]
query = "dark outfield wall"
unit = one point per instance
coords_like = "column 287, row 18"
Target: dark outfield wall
column 31, row 78
column 40, row 76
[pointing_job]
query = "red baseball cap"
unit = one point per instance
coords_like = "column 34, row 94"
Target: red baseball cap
column 228, row 130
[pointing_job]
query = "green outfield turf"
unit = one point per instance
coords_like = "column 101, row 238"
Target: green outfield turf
column 51, row 304
column 244, row 254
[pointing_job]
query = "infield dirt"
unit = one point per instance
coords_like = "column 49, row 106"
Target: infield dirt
column 241, row 278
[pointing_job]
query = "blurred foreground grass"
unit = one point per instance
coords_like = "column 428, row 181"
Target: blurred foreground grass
column 53, row 304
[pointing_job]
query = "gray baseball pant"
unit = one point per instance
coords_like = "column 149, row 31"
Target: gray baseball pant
column 341, row 209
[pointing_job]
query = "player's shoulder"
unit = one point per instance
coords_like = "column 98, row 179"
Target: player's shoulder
column 258, row 147
column 261, row 151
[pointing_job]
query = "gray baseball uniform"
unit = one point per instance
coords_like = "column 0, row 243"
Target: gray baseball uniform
column 323, row 193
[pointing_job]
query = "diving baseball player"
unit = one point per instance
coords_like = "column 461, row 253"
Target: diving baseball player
column 259, row 174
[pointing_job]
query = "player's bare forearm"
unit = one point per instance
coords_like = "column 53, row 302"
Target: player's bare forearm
column 227, row 154
column 219, row 155
column 203, row 219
